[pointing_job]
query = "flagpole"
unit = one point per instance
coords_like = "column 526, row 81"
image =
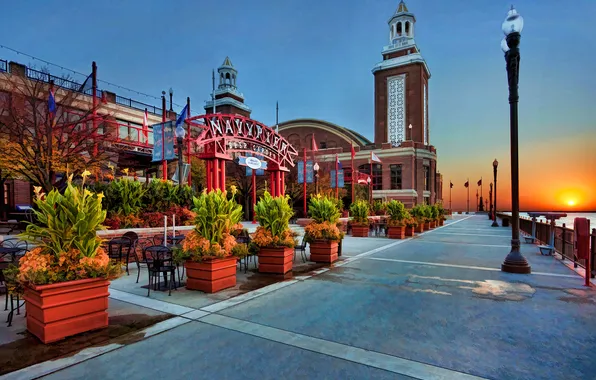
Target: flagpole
column 164, row 163
column 188, row 158
column 353, row 171
column 450, row 187
column 371, row 176
column 468, row 207
column 304, row 186
column 277, row 117
column 94, row 87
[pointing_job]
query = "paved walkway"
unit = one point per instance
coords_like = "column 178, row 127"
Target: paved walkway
column 433, row 307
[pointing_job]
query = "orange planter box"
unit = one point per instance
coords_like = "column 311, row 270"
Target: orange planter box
column 441, row 222
column 57, row 311
column 419, row 228
column 410, row 231
column 275, row 260
column 211, row 276
column 324, row 251
column 360, row 231
column 395, row 232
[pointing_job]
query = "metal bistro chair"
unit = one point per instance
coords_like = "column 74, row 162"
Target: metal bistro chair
column 116, row 249
column 159, row 259
column 134, row 241
column 14, row 249
column 242, row 239
column 302, row 249
column 143, row 244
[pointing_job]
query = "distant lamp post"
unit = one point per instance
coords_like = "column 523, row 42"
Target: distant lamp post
column 316, row 169
column 410, row 129
column 515, row 262
column 171, row 95
column 369, row 181
column 495, row 165
column 180, row 134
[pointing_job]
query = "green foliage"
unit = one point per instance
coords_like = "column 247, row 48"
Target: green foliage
column 397, row 211
column 216, row 215
column 418, row 212
column 162, row 195
column 440, row 209
column 67, row 221
column 378, row 207
column 434, row 212
column 359, row 211
column 274, row 214
column 323, row 209
column 339, row 203
column 124, row 196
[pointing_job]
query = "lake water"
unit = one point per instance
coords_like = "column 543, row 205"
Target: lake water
column 568, row 220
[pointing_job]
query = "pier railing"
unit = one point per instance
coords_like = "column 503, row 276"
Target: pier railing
column 563, row 242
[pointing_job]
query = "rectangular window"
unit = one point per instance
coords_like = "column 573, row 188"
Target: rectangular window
column 323, row 145
column 426, row 178
column 395, row 177
column 130, row 131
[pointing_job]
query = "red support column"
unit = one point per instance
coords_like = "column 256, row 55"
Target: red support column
column 283, row 183
column 188, row 158
column 208, row 164
column 254, row 195
column 277, row 184
column 272, row 184
column 222, row 172
column 304, row 187
column 215, row 174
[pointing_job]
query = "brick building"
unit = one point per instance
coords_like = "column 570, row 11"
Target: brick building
column 408, row 171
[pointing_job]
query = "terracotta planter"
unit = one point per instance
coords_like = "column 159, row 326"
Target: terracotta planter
column 68, row 308
column 211, row 276
column 395, row 232
column 275, row 260
column 323, row 251
column 427, row 225
column 360, row 231
column 419, row 228
column 410, row 231
column 441, row 222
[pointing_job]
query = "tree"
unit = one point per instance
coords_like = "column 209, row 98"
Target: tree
column 40, row 145
column 198, row 173
column 6, row 173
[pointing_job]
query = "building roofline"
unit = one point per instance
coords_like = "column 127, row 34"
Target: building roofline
column 351, row 133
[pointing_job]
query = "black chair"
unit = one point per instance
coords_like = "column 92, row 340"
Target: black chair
column 158, row 240
column 11, row 250
column 118, row 247
column 245, row 239
column 302, row 249
column 142, row 244
column 159, row 259
column 134, row 240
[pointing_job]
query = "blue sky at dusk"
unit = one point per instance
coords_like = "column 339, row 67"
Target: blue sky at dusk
column 315, row 58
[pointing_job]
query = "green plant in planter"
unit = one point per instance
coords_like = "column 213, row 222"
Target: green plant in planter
column 325, row 215
column 162, row 195
column 434, row 212
column 411, row 221
column 419, row 213
column 273, row 215
column 397, row 213
column 440, row 210
column 359, row 212
column 216, row 218
column 124, row 197
column 378, row 207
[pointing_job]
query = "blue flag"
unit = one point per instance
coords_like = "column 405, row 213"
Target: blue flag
column 182, row 116
column 52, row 103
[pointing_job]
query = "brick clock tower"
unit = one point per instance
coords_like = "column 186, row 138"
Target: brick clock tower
column 401, row 86
column 228, row 99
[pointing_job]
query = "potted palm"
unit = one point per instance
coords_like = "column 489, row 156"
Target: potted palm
column 65, row 278
column 323, row 233
column 359, row 211
column 418, row 212
column 396, row 223
column 210, row 251
column 273, row 239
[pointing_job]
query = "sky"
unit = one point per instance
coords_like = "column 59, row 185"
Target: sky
column 315, row 58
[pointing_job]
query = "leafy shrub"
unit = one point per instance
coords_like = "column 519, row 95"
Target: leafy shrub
column 359, row 211
column 124, row 196
column 163, row 195
column 273, row 215
column 397, row 213
column 378, row 207
column 323, row 209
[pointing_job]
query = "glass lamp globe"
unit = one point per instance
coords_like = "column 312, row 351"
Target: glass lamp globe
column 504, row 45
column 513, row 23
column 180, row 132
column 495, row 163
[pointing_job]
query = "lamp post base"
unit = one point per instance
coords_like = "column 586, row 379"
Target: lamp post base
column 495, row 224
column 515, row 262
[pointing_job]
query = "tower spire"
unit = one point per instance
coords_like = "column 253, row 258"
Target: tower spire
column 402, row 7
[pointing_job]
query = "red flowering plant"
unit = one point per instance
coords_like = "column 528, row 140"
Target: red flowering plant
column 66, row 244
column 325, row 215
column 216, row 218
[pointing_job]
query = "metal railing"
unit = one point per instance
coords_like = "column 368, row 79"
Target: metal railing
column 138, row 105
column 3, row 66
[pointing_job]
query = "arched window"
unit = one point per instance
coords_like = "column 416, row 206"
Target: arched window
column 377, row 175
column 228, row 79
column 399, row 28
column 221, row 78
column 407, row 28
column 234, row 79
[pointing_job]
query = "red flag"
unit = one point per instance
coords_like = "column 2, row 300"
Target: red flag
column 314, row 144
column 480, row 182
column 353, row 151
column 363, row 178
column 145, row 127
column 467, row 184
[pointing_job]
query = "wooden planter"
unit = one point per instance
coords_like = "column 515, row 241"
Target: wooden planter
column 410, row 231
column 211, row 276
column 395, row 232
column 275, row 260
column 359, row 231
column 324, row 251
column 441, row 222
column 419, row 228
column 427, row 225
column 57, row 311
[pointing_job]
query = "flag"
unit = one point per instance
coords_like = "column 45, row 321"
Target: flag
column 338, row 162
column 87, row 84
column 182, row 116
column 314, row 144
column 374, row 157
column 363, row 178
column 466, row 184
column 450, row 185
column 52, row 103
column 146, row 127
column 353, row 151
column 480, row 182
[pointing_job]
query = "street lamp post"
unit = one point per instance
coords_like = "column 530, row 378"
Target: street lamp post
column 171, row 95
column 495, row 165
column 369, row 181
column 515, row 262
column 180, row 134
column 316, row 169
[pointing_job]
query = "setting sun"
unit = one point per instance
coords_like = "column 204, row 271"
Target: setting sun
column 571, row 202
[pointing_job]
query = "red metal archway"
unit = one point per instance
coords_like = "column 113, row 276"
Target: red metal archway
column 223, row 134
